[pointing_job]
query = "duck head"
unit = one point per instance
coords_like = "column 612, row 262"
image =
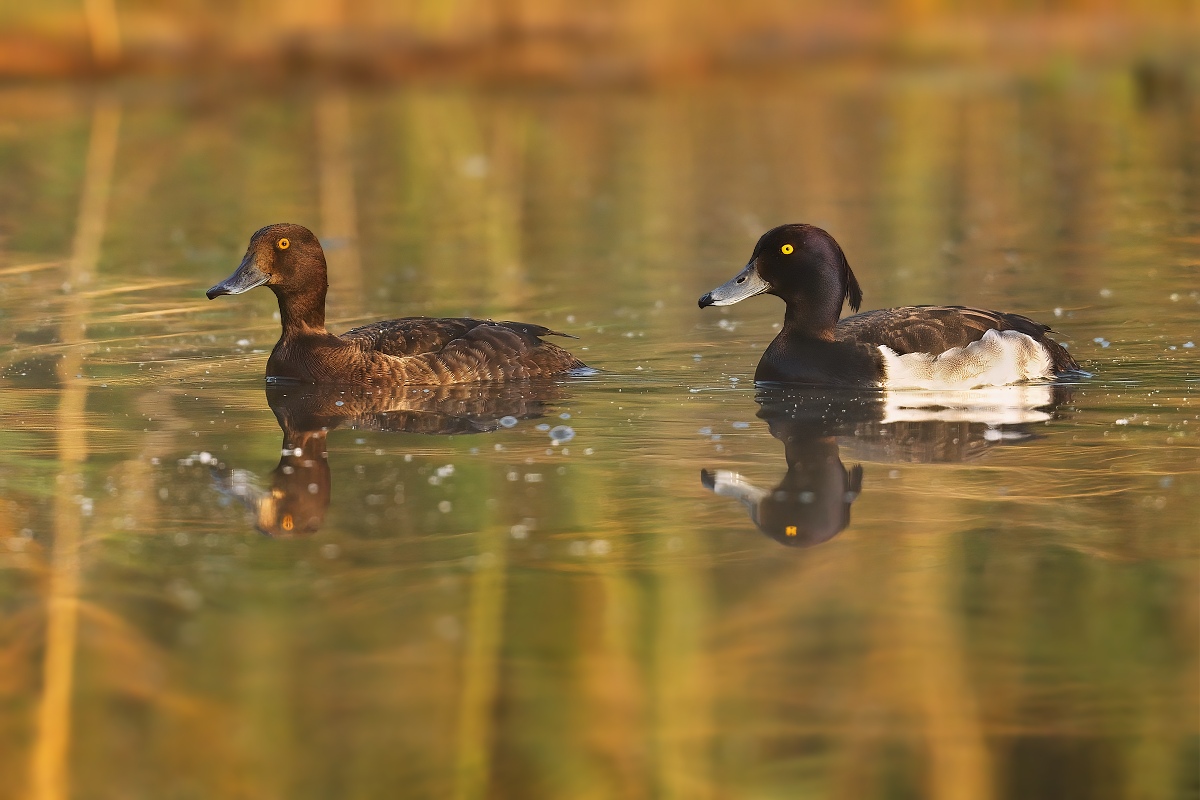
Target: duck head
column 287, row 259
column 801, row 264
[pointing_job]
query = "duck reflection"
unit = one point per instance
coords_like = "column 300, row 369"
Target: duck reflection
column 811, row 504
column 299, row 489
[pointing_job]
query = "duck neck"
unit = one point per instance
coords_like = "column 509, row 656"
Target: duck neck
column 813, row 323
column 302, row 312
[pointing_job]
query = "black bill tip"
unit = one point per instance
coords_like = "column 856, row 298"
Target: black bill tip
column 706, row 300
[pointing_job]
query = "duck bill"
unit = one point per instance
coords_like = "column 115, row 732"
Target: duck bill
column 746, row 283
column 246, row 277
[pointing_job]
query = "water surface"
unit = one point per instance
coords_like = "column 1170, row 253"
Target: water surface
column 1000, row 601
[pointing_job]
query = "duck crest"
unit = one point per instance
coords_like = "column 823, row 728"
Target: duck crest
column 854, row 295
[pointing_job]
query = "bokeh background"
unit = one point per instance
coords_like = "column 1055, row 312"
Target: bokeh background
column 571, row 41
column 494, row 616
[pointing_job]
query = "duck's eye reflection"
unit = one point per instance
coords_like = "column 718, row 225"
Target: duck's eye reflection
column 282, row 244
column 787, row 249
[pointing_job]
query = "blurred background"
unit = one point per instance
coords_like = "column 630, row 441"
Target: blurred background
column 1009, row 612
column 567, row 41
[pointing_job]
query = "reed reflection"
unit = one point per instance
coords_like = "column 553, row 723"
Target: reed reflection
column 299, row 489
column 811, row 503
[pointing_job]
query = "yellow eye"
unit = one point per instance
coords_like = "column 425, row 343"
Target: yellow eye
column 283, row 244
column 288, row 524
column 787, row 249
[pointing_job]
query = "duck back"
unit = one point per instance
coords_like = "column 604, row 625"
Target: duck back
column 936, row 329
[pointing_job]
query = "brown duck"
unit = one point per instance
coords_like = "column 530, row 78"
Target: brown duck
column 288, row 260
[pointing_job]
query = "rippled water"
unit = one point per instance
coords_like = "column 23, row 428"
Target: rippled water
column 704, row 591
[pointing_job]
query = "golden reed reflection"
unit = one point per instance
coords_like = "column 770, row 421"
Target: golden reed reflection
column 49, row 778
column 811, row 503
column 300, row 487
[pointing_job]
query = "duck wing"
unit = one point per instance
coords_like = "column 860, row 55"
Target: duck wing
column 411, row 336
column 460, row 350
column 936, row 329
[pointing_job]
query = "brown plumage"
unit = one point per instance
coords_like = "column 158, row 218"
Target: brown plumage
column 289, row 260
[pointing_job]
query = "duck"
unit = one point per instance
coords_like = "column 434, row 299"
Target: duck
column 929, row 347
column 288, row 259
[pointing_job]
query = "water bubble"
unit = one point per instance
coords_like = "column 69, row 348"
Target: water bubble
column 518, row 531
column 444, row 506
column 705, row 431
column 445, row 471
column 543, row 427
column 1106, row 293
column 1189, row 345
column 1121, row 421
column 741, row 426
column 508, row 421
column 340, row 403
column 561, row 433
column 564, row 415
column 243, row 342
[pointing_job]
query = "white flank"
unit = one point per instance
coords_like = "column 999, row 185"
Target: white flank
column 994, row 405
column 999, row 358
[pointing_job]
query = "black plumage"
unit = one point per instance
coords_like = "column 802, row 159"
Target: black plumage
column 805, row 267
